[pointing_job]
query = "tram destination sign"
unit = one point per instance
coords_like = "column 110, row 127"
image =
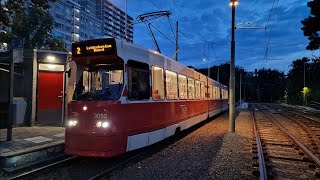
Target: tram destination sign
column 93, row 47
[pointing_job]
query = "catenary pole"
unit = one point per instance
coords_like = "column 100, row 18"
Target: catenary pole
column 232, row 72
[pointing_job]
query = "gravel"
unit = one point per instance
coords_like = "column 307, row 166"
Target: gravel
column 209, row 152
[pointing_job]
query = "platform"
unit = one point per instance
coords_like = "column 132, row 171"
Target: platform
column 30, row 145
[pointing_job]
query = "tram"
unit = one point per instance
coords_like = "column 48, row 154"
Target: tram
column 127, row 97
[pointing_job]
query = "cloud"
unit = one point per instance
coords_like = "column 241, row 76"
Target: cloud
column 205, row 31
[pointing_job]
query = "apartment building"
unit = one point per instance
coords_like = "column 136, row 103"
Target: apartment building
column 77, row 20
column 114, row 20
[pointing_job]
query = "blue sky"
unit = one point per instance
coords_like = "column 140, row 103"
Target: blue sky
column 205, row 31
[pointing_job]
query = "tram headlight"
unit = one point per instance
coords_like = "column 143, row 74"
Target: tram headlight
column 102, row 124
column 72, row 123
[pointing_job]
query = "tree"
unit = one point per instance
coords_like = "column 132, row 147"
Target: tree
column 311, row 25
column 29, row 21
column 55, row 44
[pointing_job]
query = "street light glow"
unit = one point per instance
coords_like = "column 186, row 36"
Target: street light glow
column 233, row 2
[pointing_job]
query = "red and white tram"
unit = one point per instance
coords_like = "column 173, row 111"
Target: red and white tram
column 127, row 97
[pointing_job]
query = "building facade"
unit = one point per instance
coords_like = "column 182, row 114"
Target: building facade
column 77, row 20
column 114, row 21
column 73, row 24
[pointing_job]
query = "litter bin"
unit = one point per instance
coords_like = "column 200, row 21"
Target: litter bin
column 19, row 110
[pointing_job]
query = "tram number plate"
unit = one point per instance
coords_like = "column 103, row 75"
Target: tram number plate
column 100, row 116
column 184, row 108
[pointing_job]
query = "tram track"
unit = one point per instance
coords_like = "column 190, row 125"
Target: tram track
column 31, row 170
column 97, row 168
column 309, row 123
column 284, row 155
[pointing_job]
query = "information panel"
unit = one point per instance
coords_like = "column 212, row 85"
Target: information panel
column 94, row 47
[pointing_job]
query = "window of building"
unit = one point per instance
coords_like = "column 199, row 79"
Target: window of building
column 58, row 34
column 171, row 85
column 183, row 87
column 190, row 88
column 138, row 81
column 58, row 25
column 197, row 88
column 157, row 83
column 202, row 90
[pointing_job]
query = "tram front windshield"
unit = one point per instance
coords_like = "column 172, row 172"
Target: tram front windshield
column 99, row 83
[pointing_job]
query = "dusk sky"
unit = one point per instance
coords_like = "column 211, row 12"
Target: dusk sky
column 205, row 31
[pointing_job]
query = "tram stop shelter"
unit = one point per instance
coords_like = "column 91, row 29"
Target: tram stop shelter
column 38, row 106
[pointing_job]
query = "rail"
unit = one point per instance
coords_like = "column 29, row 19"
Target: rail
column 262, row 164
column 302, row 147
column 41, row 168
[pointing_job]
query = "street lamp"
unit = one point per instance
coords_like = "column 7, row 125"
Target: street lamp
column 233, row 4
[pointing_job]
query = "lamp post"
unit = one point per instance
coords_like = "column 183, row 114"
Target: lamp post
column 233, row 4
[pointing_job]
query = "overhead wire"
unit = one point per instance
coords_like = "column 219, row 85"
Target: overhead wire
column 274, row 7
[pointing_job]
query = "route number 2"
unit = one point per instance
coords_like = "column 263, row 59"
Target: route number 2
column 78, row 50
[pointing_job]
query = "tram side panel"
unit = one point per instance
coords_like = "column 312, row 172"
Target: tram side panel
column 147, row 123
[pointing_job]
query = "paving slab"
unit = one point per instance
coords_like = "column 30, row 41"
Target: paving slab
column 30, row 145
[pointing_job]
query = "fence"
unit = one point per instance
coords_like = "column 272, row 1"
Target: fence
column 315, row 104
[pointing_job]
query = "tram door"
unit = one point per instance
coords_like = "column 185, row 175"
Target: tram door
column 50, row 88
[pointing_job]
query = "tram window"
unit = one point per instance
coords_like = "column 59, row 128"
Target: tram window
column 218, row 93
column 171, row 85
column 99, row 83
column 138, row 81
column 215, row 92
column 197, row 87
column 157, row 83
column 183, row 90
column 210, row 91
column 222, row 93
column 190, row 88
column 227, row 94
column 202, row 90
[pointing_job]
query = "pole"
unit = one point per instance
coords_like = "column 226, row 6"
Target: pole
column 232, row 77
column 218, row 74
column 240, row 87
column 304, row 74
column 177, row 46
column 209, row 68
column 10, row 97
column 125, row 18
column 304, row 83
